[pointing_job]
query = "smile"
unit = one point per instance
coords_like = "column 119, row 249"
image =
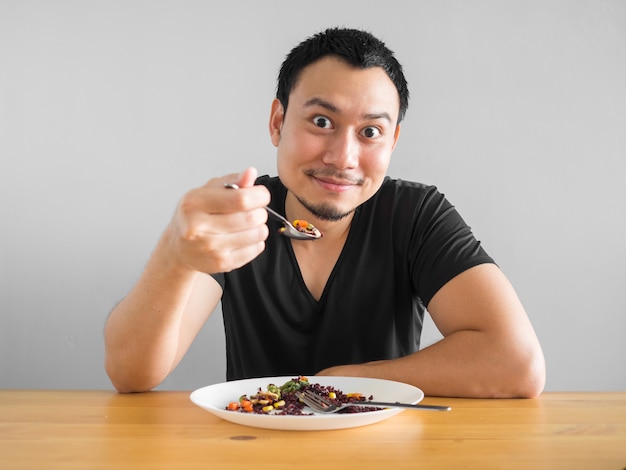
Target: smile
column 334, row 182
column 335, row 186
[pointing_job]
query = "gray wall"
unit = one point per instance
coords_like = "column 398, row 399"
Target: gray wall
column 111, row 110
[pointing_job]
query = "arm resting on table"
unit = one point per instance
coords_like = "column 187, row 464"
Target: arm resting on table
column 489, row 349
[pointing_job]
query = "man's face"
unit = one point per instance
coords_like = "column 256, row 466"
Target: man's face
column 336, row 139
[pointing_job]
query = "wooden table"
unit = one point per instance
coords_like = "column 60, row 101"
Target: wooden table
column 55, row 429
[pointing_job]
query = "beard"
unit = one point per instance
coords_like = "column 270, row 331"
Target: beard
column 324, row 211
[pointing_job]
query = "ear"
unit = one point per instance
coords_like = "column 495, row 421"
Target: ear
column 396, row 135
column 277, row 116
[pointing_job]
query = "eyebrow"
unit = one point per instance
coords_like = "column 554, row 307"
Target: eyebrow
column 332, row 108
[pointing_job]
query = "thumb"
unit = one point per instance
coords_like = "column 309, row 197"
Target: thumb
column 247, row 177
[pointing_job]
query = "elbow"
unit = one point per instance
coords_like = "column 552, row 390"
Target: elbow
column 518, row 373
column 527, row 377
column 127, row 381
column 128, row 375
column 119, row 382
column 123, row 388
column 125, row 385
column 534, row 377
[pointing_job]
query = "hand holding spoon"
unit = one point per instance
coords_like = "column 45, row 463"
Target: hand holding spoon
column 307, row 231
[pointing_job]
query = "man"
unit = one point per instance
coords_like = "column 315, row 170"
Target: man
column 352, row 302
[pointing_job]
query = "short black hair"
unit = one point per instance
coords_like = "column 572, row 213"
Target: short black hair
column 356, row 47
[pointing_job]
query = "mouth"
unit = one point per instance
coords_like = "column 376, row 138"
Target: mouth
column 336, row 184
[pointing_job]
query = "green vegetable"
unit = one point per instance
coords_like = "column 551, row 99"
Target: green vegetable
column 294, row 385
column 274, row 389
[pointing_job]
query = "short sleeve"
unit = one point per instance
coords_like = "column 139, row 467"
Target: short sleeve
column 442, row 245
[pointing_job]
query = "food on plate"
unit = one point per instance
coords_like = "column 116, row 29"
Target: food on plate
column 304, row 227
column 284, row 400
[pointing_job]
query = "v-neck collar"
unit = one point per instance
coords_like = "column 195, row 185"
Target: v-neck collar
column 347, row 246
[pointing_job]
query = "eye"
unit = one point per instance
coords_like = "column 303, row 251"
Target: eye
column 323, row 122
column 371, row 132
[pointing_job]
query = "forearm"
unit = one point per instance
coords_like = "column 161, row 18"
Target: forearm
column 213, row 230
column 464, row 364
column 142, row 332
column 489, row 348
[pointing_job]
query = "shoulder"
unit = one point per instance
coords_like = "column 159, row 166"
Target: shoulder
column 402, row 189
column 403, row 196
column 397, row 184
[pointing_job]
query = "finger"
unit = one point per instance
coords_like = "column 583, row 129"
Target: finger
column 227, row 251
column 197, row 224
column 247, row 177
column 216, row 199
column 235, row 259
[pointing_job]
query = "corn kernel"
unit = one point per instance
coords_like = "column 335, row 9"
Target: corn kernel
column 267, row 408
column 332, row 395
column 279, row 404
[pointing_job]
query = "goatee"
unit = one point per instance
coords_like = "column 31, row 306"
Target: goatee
column 324, row 211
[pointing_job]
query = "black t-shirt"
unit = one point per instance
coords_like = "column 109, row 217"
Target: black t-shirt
column 404, row 244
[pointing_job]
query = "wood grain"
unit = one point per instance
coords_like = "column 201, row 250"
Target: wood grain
column 72, row 429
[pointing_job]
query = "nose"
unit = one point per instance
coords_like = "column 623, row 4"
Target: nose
column 343, row 151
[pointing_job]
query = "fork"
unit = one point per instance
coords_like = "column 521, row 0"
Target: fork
column 321, row 404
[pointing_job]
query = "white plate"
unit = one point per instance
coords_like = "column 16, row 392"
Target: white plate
column 215, row 398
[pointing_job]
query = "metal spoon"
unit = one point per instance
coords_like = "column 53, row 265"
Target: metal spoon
column 289, row 230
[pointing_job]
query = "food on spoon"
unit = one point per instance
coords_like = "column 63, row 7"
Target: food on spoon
column 284, row 400
column 305, row 227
